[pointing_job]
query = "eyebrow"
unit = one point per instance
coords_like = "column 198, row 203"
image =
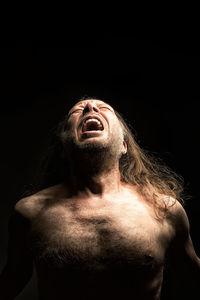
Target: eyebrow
column 74, row 107
column 82, row 103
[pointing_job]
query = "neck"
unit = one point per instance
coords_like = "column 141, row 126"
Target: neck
column 95, row 178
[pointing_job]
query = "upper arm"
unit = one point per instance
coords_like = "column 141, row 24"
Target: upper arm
column 19, row 267
column 185, row 263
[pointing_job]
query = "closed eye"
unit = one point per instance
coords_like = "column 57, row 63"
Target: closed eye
column 75, row 111
column 105, row 107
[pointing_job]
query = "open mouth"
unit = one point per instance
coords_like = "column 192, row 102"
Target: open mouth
column 92, row 124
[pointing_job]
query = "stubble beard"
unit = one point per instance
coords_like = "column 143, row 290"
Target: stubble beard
column 93, row 156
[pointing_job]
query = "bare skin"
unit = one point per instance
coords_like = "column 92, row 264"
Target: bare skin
column 96, row 238
column 103, row 247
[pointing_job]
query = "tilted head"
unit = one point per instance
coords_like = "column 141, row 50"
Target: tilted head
column 93, row 124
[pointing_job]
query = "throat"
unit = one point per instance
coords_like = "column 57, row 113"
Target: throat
column 98, row 184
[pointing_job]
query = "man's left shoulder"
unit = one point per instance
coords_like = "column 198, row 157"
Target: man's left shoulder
column 178, row 218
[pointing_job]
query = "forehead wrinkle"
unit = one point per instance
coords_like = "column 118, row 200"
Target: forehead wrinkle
column 90, row 100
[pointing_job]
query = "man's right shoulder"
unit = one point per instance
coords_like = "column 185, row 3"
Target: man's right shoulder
column 30, row 206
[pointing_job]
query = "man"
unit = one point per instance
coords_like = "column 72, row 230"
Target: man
column 103, row 232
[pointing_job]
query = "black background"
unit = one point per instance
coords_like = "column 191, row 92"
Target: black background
column 153, row 80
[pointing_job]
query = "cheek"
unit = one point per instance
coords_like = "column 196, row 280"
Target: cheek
column 68, row 130
column 117, row 133
column 117, row 127
column 70, row 125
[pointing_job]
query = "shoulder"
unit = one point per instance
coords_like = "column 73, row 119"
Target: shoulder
column 27, row 207
column 178, row 218
column 30, row 206
column 182, row 252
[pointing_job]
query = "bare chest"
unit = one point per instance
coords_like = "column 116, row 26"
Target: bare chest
column 98, row 238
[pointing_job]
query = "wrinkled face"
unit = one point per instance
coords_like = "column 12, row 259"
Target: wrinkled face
column 94, row 122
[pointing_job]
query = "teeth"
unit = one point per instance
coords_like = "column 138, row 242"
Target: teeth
column 93, row 120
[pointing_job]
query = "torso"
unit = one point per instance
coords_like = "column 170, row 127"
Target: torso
column 109, row 249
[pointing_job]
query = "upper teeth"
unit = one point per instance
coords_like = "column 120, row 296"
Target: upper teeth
column 93, row 120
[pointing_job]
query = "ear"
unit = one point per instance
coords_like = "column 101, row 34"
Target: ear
column 124, row 149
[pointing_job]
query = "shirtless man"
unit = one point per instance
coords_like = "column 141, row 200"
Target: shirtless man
column 100, row 234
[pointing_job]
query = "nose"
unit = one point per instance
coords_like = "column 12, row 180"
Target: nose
column 90, row 107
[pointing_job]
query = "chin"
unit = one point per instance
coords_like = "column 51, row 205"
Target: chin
column 93, row 144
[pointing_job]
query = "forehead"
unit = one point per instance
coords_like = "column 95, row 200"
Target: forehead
column 92, row 101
